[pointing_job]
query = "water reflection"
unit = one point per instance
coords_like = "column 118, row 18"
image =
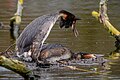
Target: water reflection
column 93, row 38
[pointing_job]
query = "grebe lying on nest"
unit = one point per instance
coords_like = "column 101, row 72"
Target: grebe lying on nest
column 57, row 52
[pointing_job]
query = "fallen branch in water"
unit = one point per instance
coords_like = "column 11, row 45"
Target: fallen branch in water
column 15, row 66
column 103, row 18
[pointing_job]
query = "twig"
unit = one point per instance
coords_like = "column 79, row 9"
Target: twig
column 5, row 52
column 80, row 69
column 75, row 68
column 9, row 47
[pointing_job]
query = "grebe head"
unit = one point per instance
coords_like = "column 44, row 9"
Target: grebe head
column 81, row 55
column 67, row 20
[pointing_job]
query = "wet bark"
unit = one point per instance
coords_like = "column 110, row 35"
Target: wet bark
column 15, row 66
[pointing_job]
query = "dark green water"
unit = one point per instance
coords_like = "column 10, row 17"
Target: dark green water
column 92, row 36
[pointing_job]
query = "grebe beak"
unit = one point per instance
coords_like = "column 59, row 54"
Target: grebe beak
column 67, row 20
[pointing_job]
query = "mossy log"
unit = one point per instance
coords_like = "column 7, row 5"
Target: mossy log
column 15, row 66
